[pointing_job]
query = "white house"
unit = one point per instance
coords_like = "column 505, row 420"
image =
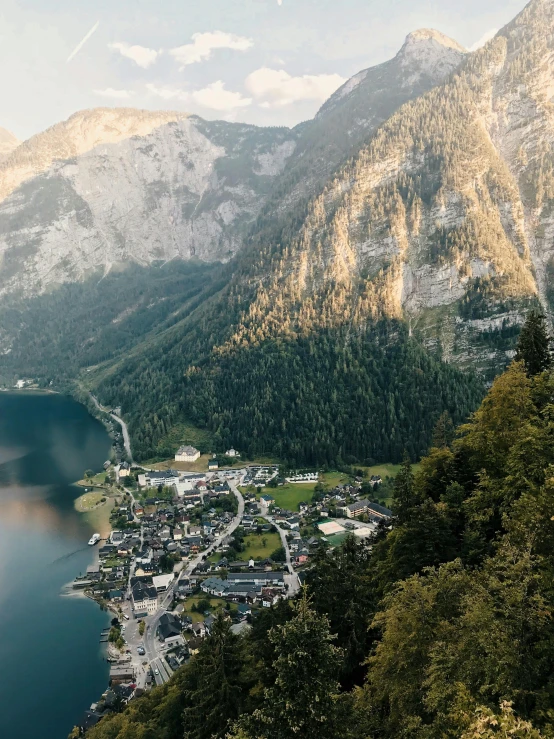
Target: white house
column 145, row 599
column 232, row 453
column 187, row 454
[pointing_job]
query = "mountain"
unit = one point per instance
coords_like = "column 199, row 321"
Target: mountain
column 443, row 218
column 409, row 223
column 8, row 142
column 109, row 187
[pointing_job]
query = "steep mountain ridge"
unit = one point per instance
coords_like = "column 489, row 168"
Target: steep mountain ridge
column 444, row 218
column 362, row 104
column 432, row 223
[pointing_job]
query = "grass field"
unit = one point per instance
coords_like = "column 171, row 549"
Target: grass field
column 291, row 495
column 97, row 480
column 332, row 479
column 201, row 464
column 88, row 501
column 386, row 470
column 255, row 547
column 215, row 603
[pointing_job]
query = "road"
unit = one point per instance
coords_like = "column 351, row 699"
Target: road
column 291, row 580
column 151, row 645
column 121, row 422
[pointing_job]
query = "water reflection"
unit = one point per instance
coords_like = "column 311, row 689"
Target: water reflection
column 46, row 443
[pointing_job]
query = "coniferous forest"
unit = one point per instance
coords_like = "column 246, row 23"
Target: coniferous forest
column 440, row 627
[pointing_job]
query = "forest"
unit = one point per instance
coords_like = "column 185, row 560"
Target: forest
column 330, row 397
column 440, row 627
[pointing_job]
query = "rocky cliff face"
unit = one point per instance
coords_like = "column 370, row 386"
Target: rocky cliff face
column 445, row 217
column 113, row 186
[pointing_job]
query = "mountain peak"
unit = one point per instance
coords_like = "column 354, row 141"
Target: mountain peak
column 426, row 37
column 431, row 53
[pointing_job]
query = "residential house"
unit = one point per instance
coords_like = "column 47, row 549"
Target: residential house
column 187, row 454
column 122, row 470
column 169, row 629
column 199, row 629
column 213, row 464
column 145, row 599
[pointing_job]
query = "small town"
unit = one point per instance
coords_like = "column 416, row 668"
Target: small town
column 185, row 546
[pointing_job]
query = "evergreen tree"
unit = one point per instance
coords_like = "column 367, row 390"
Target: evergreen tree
column 404, row 494
column 533, row 348
column 303, row 701
column 443, row 433
column 213, row 689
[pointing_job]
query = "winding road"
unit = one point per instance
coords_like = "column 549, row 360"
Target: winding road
column 121, row 422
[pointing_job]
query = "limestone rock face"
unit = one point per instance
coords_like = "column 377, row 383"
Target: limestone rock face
column 113, row 186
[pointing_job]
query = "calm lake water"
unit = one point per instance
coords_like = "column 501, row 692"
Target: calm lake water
column 52, row 666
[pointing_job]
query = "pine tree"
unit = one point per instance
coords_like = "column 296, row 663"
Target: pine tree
column 404, row 494
column 213, row 689
column 304, row 699
column 533, row 348
column 443, row 434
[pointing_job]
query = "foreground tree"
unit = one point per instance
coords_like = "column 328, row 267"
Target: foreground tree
column 303, row 701
column 533, row 348
column 213, row 689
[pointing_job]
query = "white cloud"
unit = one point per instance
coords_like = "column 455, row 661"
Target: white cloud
column 109, row 92
column 276, row 88
column 203, row 44
column 483, row 40
column 141, row 55
column 214, row 96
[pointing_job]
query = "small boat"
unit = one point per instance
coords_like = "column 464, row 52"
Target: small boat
column 94, row 539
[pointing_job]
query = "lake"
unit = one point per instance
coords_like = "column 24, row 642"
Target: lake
column 52, row 665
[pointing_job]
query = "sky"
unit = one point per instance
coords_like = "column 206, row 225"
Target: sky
column 267, row 62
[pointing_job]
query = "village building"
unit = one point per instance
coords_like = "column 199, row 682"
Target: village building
column 187, row 454
column 145, row 599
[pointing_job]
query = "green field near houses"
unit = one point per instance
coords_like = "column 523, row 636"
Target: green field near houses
column 260, row 546
column 290, row 496
column 215, row 604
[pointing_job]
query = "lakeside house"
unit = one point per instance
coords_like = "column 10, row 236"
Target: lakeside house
column 145, row 599
column 187, row 454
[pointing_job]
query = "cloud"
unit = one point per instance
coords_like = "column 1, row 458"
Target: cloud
column 81, row 43
column 213, row 96
column 483, row 40
column 141, row 55
column 109, row 92
column 203, row 44
column 274, row 88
